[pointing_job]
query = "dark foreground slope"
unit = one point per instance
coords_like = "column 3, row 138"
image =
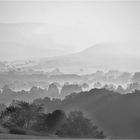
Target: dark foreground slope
column 117, row 115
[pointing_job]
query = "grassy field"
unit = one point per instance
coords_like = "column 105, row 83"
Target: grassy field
column 14, row 136
column 5, row 136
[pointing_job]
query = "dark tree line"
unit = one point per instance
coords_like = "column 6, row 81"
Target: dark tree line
column 77, row 126
column 23, row 117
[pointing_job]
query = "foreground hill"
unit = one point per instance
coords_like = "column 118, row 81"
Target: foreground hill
column 117, row 115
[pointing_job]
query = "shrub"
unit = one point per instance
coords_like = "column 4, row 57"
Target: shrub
column 3, row 130
column 17, row 131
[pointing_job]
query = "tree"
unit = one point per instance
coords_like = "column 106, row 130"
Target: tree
column 55, row 119
column 97, row 85
column 29, row 113
column 9, row 117
column 6, row 90
column 85, row 85
column 136, row 77
column 50, row 122
column 23, row 115
column 77, row 126
column 124, row 77
column 68, row 89
column 132, row 87
column 53, row 91
column 120, row 89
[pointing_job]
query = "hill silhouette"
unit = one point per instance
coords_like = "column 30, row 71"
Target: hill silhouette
column 98, row 56
column 117, row 115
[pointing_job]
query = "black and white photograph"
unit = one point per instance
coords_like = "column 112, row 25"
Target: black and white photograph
column 69, row 69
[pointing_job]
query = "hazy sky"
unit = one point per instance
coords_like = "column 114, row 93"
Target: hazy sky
column 76, row 25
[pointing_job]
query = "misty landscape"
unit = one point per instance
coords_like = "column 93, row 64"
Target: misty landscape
column 69, row 69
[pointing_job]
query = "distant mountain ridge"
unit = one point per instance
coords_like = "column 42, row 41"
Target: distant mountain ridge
column 27, row 41
column 99, row 56
column 30, row 41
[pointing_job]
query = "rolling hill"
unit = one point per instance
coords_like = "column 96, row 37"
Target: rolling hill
column 117, row 115
column 100, row 56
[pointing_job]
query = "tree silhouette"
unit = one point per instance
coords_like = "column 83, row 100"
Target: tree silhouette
column 50, row 122
column 53, row 91
column 68, row 89
column 79, row 127
column 23, row 115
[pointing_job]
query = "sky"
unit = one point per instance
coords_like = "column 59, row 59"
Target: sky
column 68, row 26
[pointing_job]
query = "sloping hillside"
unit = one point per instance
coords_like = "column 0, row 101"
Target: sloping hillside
column 118, row 115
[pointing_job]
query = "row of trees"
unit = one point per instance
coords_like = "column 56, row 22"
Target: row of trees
column 23, row 117
column 7, row 95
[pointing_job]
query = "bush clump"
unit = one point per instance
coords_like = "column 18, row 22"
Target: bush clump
column 17, row 131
